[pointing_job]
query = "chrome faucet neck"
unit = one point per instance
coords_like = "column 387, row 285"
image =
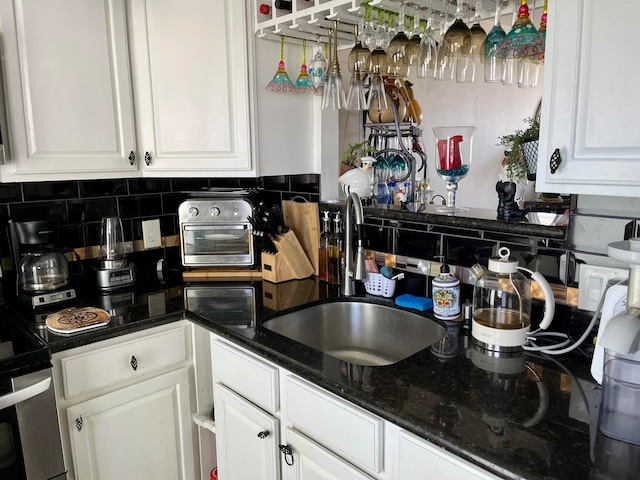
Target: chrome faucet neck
column 353, row 271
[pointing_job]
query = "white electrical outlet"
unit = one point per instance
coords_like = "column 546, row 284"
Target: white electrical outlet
column 151, row 236
column 592, row 282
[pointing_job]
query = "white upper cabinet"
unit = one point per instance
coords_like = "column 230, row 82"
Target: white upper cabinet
column 591, row 99
column 67, row 89
column 191, row 82
column 115, row 88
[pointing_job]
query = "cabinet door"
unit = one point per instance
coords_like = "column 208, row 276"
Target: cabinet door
column 419, row 460
column 190, row 62
column 312, row 462
column 68, row 90
column 591, row 99
column 142, row 431
column 247, row 438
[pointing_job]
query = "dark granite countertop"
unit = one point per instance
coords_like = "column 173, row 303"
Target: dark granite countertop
column 520, row 417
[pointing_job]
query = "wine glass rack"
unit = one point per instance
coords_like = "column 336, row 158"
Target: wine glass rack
column 306, row 19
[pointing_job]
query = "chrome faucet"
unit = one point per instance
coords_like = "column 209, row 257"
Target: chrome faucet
column 353, row 271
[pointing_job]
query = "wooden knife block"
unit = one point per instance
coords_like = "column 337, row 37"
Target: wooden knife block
column 289, row 263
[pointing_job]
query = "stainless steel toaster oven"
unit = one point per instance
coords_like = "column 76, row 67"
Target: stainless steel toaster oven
column 215, row 232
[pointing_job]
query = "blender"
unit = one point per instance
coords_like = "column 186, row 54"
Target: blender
column 619, row 338
column 42, row 270
column 114, row 270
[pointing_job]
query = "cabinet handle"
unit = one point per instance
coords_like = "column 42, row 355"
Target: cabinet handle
column 132, row 158
column 555, row 160
column 134, row 363
column 147, row 158
column 288, row 454
column 79, row 422
column 264, row 434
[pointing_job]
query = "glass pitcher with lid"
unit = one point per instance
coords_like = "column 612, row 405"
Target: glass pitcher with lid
column 502, row 303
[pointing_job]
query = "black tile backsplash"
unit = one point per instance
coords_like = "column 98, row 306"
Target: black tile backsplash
column 102, row 188
column 82, row 204
column 49, row 190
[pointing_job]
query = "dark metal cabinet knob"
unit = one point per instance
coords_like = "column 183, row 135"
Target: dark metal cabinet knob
column 555, row 161
column 134, row 363
column 132, row 158
column 287, row 451
column 147, row 158
column 79, row 422
column 263, row 434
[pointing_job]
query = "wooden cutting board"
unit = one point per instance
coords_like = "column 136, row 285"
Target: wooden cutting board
column 219, row 274
column 304, row 219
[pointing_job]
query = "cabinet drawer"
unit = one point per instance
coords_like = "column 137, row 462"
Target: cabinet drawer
column 103, row 366
column 417, row 456
column 345, row 429
column 245, row 374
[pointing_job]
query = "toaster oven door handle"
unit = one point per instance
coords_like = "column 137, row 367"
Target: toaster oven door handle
column 219, row 226
column 13, row 398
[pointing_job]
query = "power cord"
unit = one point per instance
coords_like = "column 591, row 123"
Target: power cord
column 565, row 346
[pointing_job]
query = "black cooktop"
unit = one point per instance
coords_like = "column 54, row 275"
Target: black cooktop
column 21, row 351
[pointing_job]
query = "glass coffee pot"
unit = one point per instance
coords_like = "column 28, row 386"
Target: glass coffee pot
column 502, row 303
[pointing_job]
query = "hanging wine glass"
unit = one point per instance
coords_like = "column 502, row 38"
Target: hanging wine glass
column 466, row 63
column 493, row 63
column 522, row 50
column 281, row 81
column 383, row 31
column 333, row 97
column 457, row 39
column 398, row 51
column 444, row 62
column 359, row 59
column 453, row 150
column 318, row 67
column 368, row 36
column 303, row 82
column 415, row 39
column 428, row 51
column 478, row 34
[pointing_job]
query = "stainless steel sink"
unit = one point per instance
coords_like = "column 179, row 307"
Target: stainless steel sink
column 356, row 332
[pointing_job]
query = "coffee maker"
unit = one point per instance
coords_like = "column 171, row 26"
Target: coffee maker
column 42, row 270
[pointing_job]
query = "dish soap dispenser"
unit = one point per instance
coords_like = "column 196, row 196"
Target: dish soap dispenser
column 446, row 294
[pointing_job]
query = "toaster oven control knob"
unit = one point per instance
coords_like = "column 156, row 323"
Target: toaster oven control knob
column 193, row 212
column 215, row 211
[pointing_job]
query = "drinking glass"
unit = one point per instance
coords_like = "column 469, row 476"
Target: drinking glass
column 318, row 66
column 414, row 38
column 359, row 60
column 398, row 51
column 466, row 63
column 281, row 81
column 303, row 82
column 493, row 63
column 368, row 36
column 333, row 97
column 453, row 150
column 428, row 51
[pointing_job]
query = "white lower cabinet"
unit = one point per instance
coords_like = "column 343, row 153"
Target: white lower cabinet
column 420, row 460
column 247, row 438
column 310, row 461
column 125, row 406
column 264, row 412
column 142, row 431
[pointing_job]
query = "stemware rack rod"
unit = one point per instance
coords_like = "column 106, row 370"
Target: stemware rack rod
column 310, row 18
